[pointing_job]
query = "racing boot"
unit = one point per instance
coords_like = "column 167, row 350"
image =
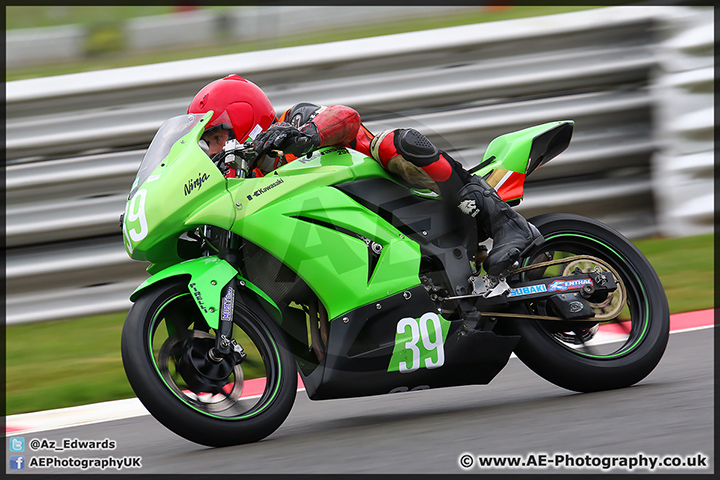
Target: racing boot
column 512, row 235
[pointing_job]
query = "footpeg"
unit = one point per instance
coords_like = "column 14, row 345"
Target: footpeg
column 487, row 286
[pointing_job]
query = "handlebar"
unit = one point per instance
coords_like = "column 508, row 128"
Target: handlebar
column 247, row 155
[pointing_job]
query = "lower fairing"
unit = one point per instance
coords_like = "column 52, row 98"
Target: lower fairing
column 361, row 344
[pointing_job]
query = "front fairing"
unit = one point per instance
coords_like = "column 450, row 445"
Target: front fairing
column 177, row 188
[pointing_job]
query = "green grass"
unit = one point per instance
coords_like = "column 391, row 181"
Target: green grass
column 74, row 362
column 64, row 363
column 686, row 269
column 105, row 54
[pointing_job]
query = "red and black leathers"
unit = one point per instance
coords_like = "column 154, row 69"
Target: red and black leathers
column 338, row 125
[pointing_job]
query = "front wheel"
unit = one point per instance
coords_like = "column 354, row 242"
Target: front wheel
column 622, row 348
column 165, row 345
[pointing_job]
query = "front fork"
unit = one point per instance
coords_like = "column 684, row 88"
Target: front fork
column 225, row 345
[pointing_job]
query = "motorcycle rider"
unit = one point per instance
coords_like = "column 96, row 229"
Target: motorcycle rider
column 242, row 111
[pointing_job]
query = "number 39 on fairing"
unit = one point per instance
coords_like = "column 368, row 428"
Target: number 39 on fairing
column 135, row 211
column 419, row 342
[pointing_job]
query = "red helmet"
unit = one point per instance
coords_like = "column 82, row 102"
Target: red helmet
column 237, row 103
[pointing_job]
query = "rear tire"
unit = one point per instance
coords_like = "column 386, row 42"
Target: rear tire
column 161, row 323
column 545, row 350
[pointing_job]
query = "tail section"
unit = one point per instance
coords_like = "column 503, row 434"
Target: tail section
column 510, row 158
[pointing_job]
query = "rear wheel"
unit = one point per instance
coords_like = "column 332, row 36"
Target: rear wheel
column 165, row 345
column 626, row 344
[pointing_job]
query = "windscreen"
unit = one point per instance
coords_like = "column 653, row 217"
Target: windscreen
column 169, row 132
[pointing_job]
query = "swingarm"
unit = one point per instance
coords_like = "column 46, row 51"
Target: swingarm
column 573, row 296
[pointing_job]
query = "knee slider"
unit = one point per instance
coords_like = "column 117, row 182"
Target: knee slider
column 415, row 147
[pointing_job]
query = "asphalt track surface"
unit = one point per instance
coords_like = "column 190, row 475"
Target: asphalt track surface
column 518, row 413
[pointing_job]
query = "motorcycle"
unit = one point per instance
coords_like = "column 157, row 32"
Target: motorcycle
column 332, row 271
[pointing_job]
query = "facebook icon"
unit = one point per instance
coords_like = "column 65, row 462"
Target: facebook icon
column 17, row 462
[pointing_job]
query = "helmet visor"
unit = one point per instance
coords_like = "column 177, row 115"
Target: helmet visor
column 223, row 120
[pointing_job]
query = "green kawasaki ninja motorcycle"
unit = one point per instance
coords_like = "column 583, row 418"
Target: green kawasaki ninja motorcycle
column 332, row 272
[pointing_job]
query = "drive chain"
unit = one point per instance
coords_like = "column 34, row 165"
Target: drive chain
column 596, row 319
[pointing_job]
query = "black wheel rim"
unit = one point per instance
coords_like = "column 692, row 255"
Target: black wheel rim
column 631, row 325
column 176, row 320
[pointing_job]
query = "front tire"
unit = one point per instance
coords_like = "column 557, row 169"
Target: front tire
column 164, row 325
column 561, row 354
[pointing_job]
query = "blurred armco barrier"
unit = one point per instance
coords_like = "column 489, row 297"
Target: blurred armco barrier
column 683, row 167
column 74, row 142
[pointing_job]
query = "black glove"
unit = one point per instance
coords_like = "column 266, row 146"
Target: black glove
column 285, row 137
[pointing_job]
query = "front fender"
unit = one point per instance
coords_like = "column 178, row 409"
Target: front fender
column 207, row 277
